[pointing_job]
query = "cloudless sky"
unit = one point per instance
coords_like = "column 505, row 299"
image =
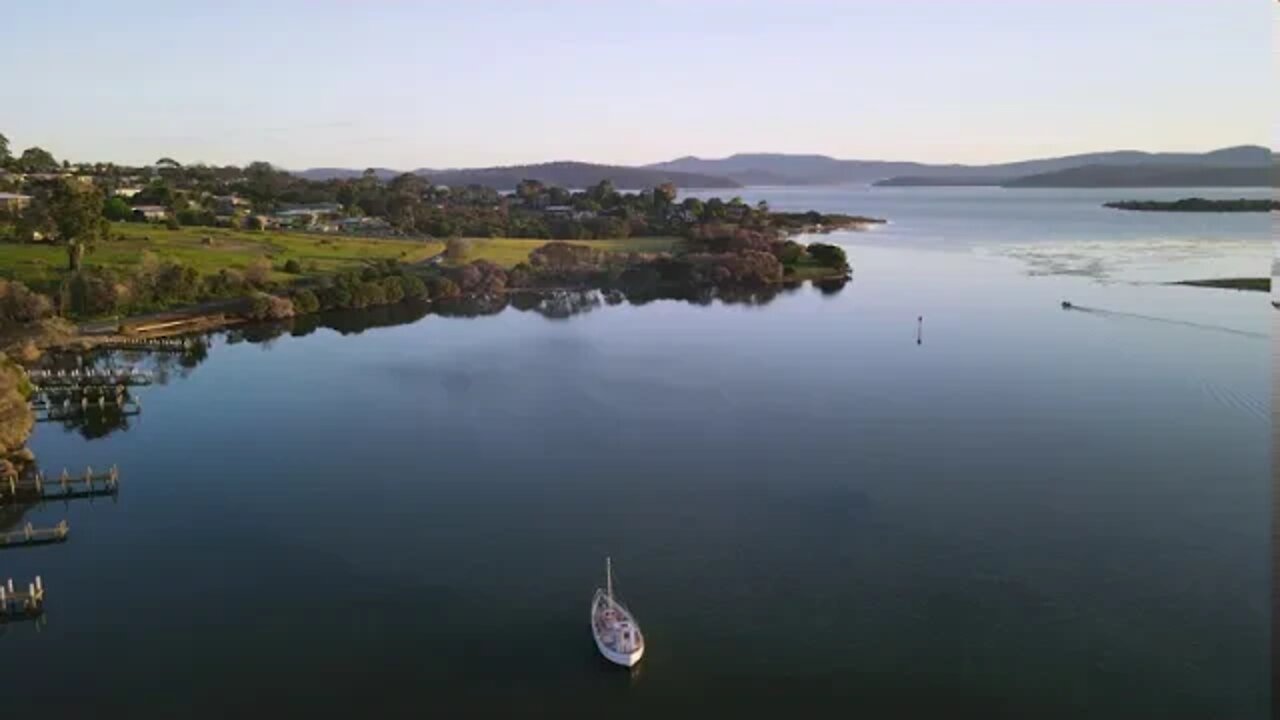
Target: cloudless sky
column 402, row 84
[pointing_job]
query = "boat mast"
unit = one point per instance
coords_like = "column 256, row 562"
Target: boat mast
column 608, row 575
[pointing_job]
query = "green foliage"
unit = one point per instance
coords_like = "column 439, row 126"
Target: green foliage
column 305, row 301
column 196, row 217
column 19, row 305
column 36, row 160
column 116, row 209
column 172, row 223
column 831, row 256
column 789, row 252
column 5, row 155
column 442, row 288
column 268, row 307
column 412, row 287
column 293, row 267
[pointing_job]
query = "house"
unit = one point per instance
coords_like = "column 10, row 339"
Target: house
column 13, row 202
column 126, row 192
column 228, row 204
column 363, row 225
column 150, row 212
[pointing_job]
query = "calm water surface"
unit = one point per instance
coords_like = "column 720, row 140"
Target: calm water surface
column 1032, row 513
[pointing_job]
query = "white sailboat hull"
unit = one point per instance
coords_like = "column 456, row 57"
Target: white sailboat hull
column 623, row 659
column 615, row 631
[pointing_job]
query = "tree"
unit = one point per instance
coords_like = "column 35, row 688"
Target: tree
column 37, row 160
column 828, row 255
column 665, row 194
column 116, row 209
column 259, row 272
column 457, row 249
column 69, row 212
column 528, row 191
column 269, row 307
column 5, row 155
column 305, row 301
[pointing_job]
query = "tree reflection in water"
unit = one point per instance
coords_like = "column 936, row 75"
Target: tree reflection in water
column 555, row 305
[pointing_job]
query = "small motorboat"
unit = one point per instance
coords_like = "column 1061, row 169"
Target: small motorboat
column 1066, row 305
column 616, row 632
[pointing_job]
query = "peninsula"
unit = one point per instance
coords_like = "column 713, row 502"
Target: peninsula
column 186, row 246
column 1196, row 204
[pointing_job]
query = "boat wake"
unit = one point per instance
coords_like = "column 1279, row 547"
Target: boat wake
column 1167, row 321
column 1233, row 400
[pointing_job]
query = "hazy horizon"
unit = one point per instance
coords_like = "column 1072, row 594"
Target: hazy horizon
column 405, row 86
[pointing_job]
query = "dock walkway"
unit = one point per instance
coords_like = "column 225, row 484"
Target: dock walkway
column 64, row 487
column 19, row 604
column 31, row 535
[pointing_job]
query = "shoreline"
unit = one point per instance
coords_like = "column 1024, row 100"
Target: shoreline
column 1241, row 284
column 198, row 319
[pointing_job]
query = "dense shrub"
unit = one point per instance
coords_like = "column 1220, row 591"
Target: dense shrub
column 19, row 305
column 305, row 301
column 413, row 287
column 442, row 288
column 828, row 255
column 789, row 252
column 269, row 307
column 293, row 267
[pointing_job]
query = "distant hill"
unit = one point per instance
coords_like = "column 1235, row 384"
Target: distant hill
column 575, row 175
column 321, row 174
column 1229, row 167
column 564, row 174
column 782, row 169
column 1100, row 176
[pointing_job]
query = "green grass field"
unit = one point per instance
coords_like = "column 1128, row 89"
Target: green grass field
column 509, row 252
column 42, row 266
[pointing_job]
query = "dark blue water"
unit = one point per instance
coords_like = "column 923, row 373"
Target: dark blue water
column 1032, row 513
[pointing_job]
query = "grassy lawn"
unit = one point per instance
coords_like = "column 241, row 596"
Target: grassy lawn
column 807, row 269
column 509, row 252
column 43, row 265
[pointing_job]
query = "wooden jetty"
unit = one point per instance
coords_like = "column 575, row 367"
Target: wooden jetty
column 148, row 344
column 92, row 395
column 64, row 487
column 90, row 377
column 68, row 410
column 16, row 604
column 31, row 535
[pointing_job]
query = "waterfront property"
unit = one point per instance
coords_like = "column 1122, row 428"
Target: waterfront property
column 13, row 202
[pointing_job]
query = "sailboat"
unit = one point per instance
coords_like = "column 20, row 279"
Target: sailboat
column 616, row 632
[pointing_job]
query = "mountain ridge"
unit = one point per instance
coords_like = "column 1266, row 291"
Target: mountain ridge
column 1223, row 165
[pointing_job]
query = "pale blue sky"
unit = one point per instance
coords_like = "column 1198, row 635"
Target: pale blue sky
column 437, row 84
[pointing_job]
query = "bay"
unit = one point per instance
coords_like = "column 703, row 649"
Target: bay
column 1031, row 512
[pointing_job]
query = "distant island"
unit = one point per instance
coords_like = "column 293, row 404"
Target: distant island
column 1119, row 176
column 1154, row 174
column 1196, row 204
column 1253, row 284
